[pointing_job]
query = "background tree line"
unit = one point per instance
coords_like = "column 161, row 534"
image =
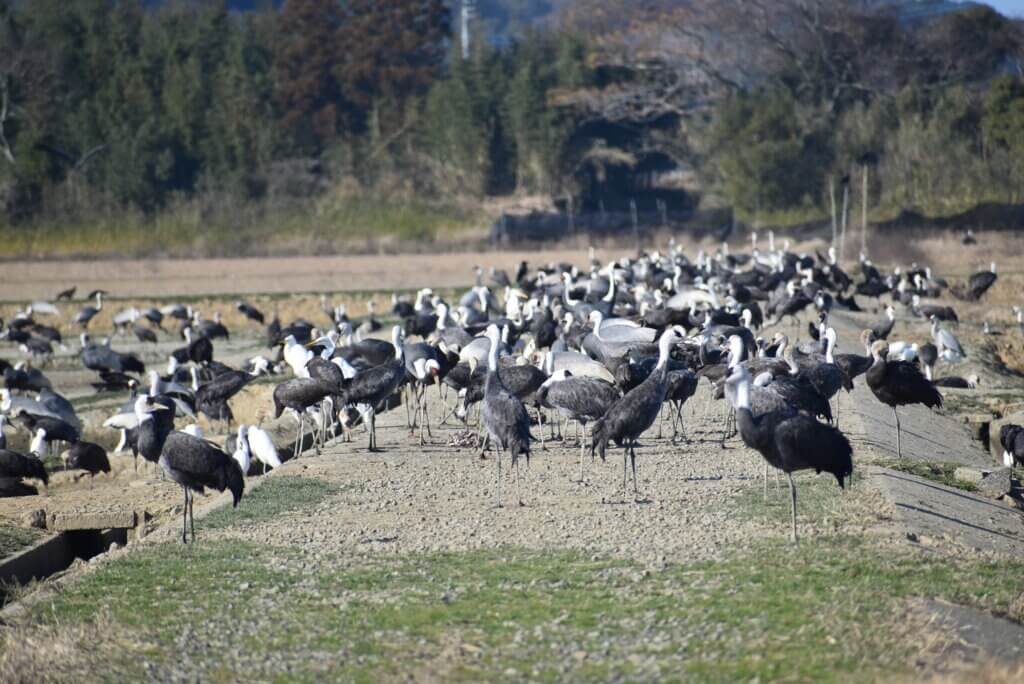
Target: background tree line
column 110, row 108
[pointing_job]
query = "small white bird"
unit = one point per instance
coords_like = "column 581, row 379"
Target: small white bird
column 262, row 447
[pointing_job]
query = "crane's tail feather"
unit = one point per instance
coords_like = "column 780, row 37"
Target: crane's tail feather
column 234, row 481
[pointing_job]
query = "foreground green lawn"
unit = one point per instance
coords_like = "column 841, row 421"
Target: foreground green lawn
column 228, row 610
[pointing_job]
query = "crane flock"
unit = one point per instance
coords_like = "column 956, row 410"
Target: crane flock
column 616, row 347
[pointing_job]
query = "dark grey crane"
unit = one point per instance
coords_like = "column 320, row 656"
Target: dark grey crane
column 630, row 416
column 196, row 349
column 504, row 416
column 977, row 285
column 67, row 294
column 14, row 467
column 899, row 383
column 367, row 353
column 193, row 463
column 87, row 456
column 789, row 440
column 1011, row 438
column 881, row 329
column 374, row 385
column 580, row 398
column 297, row 395
column 250, row 312
column 212, row 397
column 100, row 357
column 85, row 316
column 144, row 334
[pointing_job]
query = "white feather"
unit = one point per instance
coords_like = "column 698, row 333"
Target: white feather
column 262, row 447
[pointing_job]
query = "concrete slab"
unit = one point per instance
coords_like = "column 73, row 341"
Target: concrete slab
column 949, row 519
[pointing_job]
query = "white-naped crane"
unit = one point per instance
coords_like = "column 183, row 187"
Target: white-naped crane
column 630, row 416
column 504, row 417
column 789, row 440
column 580, row 398
column 374, row 385
column 193, row 463
column 899, row 383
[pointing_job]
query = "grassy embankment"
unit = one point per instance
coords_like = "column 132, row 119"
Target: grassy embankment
column 227, row 609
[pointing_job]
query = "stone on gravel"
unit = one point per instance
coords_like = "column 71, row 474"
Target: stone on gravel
column 992, row 483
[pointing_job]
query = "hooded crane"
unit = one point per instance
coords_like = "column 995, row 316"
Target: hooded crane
column 91, row 458
column 899, row 383
column 376, row 384
column 504, row 416
column 1011, row 438
column 14, row 467
column 196, row 349
column 580, row 398
column 250, row 311
column 212, row 397
column 630, row 416
column 189, row 461
column 978, row 284
column 789, row 440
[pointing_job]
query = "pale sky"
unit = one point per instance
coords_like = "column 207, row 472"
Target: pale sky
column 1011, row 8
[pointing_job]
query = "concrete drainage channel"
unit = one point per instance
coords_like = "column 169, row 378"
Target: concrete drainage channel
column 85, row 536
column 82, row 537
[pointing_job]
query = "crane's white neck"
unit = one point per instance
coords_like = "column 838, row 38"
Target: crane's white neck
column 396, row 340
column 830, row 344
column 665, row 347
column 492, row 353
column 743, row 393
column 736, row 349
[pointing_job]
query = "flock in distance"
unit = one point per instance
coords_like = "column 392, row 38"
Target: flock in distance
column 610, row 347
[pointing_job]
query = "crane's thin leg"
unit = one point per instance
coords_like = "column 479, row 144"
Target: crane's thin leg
column 192, row 515
column 583, row 447
column 625, row 457
column 184, row 519
column 766, row 481
column 426, row 414
column 661, row 418
column 298, row 439
column 540, row 428
column 792, row 494
column 497, row 448
column 899, row 449
column 519, row 496
column 632, row 459
column 373, row 431
column 682, row 425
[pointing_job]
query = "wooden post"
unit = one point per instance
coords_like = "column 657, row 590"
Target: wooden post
column 832, row 197
column 864, row 213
